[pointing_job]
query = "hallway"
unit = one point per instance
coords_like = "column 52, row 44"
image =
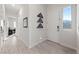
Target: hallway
column 16, row 46
column 46, row 29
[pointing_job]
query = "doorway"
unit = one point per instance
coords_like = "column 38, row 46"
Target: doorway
column 8, row 21
column 11, row 26
column 67, row 23
column 58, row 30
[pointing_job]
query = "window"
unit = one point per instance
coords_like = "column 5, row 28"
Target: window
column 67, row 17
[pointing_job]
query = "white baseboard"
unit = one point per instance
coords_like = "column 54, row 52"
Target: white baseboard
column 67, row 46
column 64, row 45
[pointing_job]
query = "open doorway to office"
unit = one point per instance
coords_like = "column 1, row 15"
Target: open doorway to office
column 8, row 21
column 11, row 21
column 11, row 26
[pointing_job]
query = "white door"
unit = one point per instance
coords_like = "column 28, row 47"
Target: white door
column 67, row 26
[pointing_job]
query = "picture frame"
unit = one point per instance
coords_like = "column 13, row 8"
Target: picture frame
column 25, row 22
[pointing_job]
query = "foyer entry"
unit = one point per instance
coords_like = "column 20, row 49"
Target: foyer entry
column 38, row 40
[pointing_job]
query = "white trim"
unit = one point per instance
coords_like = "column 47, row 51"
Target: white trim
column 67, row 29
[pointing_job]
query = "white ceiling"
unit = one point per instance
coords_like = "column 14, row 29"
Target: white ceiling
column 12, row 10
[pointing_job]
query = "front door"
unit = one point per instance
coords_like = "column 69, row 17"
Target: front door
column 67, row 26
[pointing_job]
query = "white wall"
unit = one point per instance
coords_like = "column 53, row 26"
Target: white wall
column 31, row 36
column 78, row 28
column 64, row 37
column 23, row 33
column 37, row 35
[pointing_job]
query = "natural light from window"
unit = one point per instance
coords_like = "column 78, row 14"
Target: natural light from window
column 67, row 17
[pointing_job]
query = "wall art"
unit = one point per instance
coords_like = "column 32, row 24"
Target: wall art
column 40, row 21
column 25, row 22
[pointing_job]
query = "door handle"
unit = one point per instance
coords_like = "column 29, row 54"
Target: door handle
column 58, row 28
